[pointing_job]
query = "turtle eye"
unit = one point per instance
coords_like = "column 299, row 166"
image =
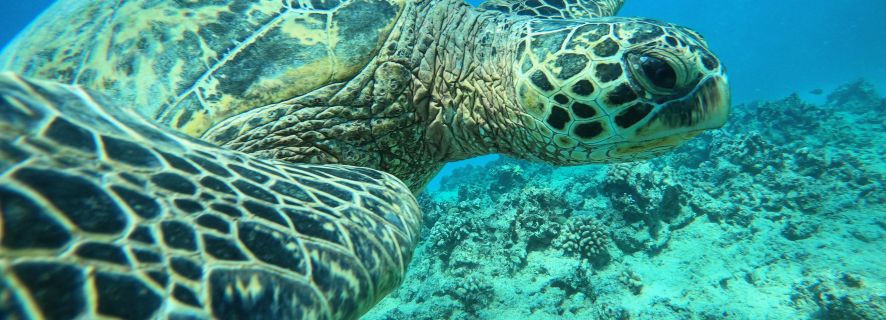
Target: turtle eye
column 658, row 72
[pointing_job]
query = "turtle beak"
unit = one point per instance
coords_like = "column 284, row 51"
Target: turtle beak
column 704, row 109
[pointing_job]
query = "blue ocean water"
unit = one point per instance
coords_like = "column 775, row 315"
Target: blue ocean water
column 15, row 15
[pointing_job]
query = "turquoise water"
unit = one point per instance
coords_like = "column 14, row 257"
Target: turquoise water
column 780, row 215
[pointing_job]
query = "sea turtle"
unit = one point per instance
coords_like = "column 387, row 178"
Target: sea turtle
column 402, row 86
column 105, row 214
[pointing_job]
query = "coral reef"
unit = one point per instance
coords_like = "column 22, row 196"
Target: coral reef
column 632, row 281
column 473, row 292
column 781, row 214
column 584, row 237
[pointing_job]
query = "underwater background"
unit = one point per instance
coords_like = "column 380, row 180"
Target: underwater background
column 779, row 215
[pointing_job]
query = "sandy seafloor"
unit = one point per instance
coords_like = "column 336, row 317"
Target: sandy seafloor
column 779, row 215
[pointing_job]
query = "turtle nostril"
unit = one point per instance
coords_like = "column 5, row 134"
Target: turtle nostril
column 659, row 72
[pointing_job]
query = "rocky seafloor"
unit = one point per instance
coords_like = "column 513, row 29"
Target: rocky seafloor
column 779, row 215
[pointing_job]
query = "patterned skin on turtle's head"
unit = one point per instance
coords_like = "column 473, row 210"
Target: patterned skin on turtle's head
column 617, row 89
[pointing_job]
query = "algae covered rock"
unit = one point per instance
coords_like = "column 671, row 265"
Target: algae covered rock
column 642, row 192
column 799, row 229
column 841, row 297
column 539, row 215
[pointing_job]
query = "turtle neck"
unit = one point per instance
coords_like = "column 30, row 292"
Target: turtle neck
column 468, row 74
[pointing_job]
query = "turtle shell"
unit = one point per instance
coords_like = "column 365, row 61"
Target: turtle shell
column 192, row 63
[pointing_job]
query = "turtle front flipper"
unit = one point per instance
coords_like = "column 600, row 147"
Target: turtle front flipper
column 558, row 9
column 105, row 215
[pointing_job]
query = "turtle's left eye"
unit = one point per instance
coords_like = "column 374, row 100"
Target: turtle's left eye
column 658, row 72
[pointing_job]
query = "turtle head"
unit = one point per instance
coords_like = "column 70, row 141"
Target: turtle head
column 617, row 89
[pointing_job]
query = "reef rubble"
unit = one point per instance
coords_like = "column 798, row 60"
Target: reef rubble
column 779, row 215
